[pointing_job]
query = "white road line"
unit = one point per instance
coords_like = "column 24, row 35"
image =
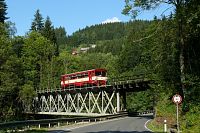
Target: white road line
column 93, row 123
column 145, row 125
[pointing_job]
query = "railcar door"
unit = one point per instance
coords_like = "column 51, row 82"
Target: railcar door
column 91, row 75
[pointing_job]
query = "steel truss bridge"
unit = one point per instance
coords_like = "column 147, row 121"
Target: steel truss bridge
column 89, row 100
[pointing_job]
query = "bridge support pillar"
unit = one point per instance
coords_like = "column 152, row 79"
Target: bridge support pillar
column 118, row 101
column 124, row 99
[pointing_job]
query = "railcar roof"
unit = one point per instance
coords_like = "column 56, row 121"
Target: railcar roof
column 98, row 69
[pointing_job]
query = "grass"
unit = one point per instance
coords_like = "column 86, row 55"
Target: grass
column 154, row 126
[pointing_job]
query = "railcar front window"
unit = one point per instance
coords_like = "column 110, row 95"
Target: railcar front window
column 101, row 73
column 97, row 73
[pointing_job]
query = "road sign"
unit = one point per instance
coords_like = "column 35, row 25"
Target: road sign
column 177, row 99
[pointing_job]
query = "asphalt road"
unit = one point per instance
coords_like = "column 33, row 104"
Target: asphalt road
column 122, row 125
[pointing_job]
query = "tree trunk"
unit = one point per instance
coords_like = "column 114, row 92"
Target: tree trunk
column 182, row 68
column 181, row 44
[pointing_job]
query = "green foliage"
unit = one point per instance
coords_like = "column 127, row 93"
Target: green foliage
column 49, row 32
column 108, row 46
column 133, row 7
column 11, row 29
column 140, row 101
column 27, row 94
column 61, row 38
column 37, row 54
column 10, row 69
column 37, row 24
column 102, row 32
column 190, row 123
column 18, row 42
column 3, row 13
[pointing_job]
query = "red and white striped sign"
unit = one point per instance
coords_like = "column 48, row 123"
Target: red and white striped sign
column 177, row 99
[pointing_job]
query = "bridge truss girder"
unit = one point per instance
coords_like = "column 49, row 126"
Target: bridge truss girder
column 90, row 103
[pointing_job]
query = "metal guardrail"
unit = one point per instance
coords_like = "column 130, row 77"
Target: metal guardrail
column 21, row 124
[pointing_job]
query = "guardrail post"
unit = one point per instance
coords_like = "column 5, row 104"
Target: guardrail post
column 58, row 124
column 165, row 126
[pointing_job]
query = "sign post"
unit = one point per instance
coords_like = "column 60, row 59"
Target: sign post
column 177, row 99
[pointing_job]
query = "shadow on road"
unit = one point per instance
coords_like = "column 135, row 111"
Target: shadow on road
column 135, row 114
column 59, row 131
column 122, row 132
column 63, row 131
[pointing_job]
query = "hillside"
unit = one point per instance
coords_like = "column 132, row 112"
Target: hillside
column 105, row 36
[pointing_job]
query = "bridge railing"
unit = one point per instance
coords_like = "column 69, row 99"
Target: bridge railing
column 128, row 78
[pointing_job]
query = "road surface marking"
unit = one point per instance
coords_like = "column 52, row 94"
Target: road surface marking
column 145, row 125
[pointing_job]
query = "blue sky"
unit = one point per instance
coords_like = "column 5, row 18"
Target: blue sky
column 71, row 14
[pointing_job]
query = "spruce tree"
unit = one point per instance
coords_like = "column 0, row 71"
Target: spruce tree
column 3, row 8
column 49, row 32
column 61, row 37
column 37, row 24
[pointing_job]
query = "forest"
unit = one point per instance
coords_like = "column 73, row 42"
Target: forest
column 166, row 48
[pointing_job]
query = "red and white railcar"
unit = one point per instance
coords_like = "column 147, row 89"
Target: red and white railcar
column 97, row 77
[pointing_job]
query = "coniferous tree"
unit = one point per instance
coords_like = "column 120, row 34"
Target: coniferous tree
column 61, row 37
column 49, row 32
column 37, row 24
column 3, row 8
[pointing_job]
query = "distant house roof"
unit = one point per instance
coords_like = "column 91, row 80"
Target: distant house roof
column 85, row 49
column 93, row 46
